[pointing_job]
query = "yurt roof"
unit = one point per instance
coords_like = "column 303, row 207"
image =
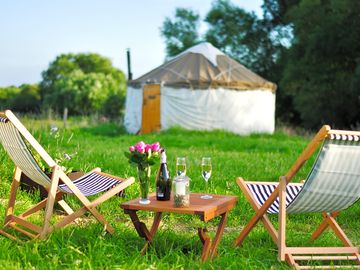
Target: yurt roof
column 203, row 67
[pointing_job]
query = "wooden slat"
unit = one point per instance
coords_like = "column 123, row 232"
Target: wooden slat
column 26, row 224
column 25, row 232
column 329, row 266
column 282, row 219
column 8, row 235
column 322, row 250
column 324, row 258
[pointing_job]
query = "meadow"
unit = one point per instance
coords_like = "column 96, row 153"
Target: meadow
column 176, row 245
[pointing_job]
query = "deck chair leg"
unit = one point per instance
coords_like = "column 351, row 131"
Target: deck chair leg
column 323, row 226
column 340, row 234
column 14, row 187
column 264, row 218
column 85, row 202
column 282, row 219
column 50, row 202
column 68, row 210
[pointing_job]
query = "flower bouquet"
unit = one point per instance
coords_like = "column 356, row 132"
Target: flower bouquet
column 143, row 156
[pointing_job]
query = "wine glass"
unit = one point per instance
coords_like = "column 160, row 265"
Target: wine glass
column 180, row 166
column 206, row 173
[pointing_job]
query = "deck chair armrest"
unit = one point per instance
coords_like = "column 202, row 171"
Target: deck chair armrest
column 115, row 190
column 96, row 169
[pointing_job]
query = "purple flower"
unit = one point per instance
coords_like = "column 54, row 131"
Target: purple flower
column 155, row 147
column 132, row 148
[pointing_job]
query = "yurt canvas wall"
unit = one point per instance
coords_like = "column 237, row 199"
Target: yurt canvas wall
column 201, row 89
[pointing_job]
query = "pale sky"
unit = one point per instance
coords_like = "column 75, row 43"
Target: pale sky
column 34, row 32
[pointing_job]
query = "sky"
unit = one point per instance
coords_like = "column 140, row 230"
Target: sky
column 34, row 32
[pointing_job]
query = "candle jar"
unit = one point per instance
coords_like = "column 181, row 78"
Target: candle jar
column 181, row 191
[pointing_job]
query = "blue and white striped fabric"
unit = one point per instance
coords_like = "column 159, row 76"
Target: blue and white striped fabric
column 332, row 185
column 262, row 191
column 89, row 184
column 15, row 146
column 92, row 183
column 334, row 181
column 4, row 120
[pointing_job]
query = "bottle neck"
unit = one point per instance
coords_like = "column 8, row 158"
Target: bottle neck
column 163, row 157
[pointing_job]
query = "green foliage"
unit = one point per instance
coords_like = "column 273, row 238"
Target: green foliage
column 237, row 33
column 322, row 71
column 7, row 94
column 28, row 100
column 25, row 98
column 83, row 83
column 182, row 32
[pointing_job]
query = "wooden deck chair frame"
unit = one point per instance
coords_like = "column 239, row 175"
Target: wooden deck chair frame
column 21, row 224
column 294, row 254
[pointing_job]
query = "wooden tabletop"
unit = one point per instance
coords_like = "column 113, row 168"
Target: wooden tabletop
column 206, row 209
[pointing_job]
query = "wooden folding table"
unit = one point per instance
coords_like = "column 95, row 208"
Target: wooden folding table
column 219, row 205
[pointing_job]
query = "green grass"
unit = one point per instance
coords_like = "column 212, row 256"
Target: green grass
column 176, row 245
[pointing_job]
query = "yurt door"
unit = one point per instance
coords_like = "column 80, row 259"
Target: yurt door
column 151, row 109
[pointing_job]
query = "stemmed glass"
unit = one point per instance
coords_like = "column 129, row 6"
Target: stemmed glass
column 180, row 166
column 206, row 173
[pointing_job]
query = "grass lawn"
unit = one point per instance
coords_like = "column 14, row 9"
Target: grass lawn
column 176, row 245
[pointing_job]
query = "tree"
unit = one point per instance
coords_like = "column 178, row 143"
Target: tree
column 323, row 67
column 82, row 83
column 182, row 32
column 28, row 100
column 25, row 98
column 7, row 94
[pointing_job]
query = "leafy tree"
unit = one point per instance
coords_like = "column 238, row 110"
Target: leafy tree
column 7, row 94
column 82, row 83
column 182, row 32
column 28, row 100
column 25, row 98
column 323, row 67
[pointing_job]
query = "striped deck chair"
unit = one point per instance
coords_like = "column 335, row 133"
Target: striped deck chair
column 13, row 136
column 332, row 185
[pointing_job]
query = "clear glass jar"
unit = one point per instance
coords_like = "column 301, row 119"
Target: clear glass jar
column 181, row 191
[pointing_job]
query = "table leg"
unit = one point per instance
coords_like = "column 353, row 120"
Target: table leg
column 141, row 228
column 153, row 231
column 206, row 240
column 208, row 247
column 219, row 233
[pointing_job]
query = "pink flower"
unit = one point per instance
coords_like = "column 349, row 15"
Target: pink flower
column 141, row 143
column 155, row 147
column 140, row 148
column 147, row 147
column 131, row 148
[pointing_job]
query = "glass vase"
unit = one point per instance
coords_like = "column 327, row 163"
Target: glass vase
column 144, row 177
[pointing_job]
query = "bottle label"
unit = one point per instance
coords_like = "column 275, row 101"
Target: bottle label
column 160, row 194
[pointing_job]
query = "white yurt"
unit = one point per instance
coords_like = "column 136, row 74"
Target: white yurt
column 201, row 89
